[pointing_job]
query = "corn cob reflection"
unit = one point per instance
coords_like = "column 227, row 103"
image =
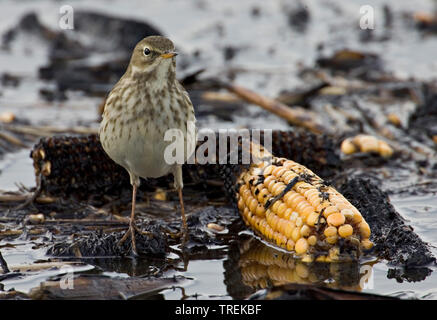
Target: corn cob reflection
column 291, row 207
column 262, row 266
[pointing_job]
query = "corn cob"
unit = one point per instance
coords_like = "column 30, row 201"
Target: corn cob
column 366, row 144
column 291, row 207
column 78, row 166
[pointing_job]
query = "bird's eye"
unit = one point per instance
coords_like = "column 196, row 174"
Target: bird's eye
column 146, row 51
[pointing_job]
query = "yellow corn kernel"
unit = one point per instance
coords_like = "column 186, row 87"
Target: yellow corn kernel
column 366, row 244
column 305, row 231
column 240, row 203
column 268, row 170
column 243, row 188
column 299, row 222
column 288, row 176
column 280, row 226
column 248, row 199
column 276, row 170
column 275, row 206
column 275, row 221
column 288, row 213
column 301, row 246
column 336, row 219
column 288, row 164
column 260, row 211
column 330, row 231
column 384, row 149
column 289, row 228
column 312, row 219
column 278, row 188
column 348, row 213
column 347, row 147
column 271, row 184
column 290, row 245
column 297, row 200
column 364, row 229
column 312, row 240
column 367, row 143
column 292, row 199
column 345, row 230
column 246, row 195
column 295, row 235
column 314, row 199
column 281, row 209
column 287, row 196
column 279, row 171
column 330, row 210
column 253, row 204
column 262, row 195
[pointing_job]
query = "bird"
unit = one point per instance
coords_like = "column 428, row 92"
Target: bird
column 145, row 105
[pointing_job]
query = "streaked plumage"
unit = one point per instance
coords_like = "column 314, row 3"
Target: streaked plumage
column 145, row 103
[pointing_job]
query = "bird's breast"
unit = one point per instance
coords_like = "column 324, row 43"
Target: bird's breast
column 134, row 135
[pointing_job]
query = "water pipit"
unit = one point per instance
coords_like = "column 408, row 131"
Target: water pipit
column 146, row 103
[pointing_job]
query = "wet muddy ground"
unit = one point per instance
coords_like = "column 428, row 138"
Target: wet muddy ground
column 378, row 82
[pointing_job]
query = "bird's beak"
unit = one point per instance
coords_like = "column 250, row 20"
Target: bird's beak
column 169, row 55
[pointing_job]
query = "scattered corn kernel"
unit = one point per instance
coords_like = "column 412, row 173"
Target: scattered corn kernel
column 394, row 119
column 215, row 227
column 7, row 117
column 367, row 144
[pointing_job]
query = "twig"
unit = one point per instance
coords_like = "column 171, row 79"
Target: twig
column 91, row 222
column 12, row 139
column 48, row 130
column 3, row 264
column 297, row 116
column 31, row 199
column 220, row 97
column 22, row 197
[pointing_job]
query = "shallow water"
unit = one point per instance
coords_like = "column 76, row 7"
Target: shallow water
column 193, row 26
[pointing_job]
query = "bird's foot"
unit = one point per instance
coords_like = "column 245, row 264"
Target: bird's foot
column 131, row 233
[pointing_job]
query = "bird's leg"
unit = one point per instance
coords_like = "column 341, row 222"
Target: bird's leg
column 131, row 231
column 184, row 219
column 179, row 184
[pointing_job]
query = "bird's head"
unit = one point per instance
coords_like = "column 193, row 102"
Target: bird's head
column 154, row 57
